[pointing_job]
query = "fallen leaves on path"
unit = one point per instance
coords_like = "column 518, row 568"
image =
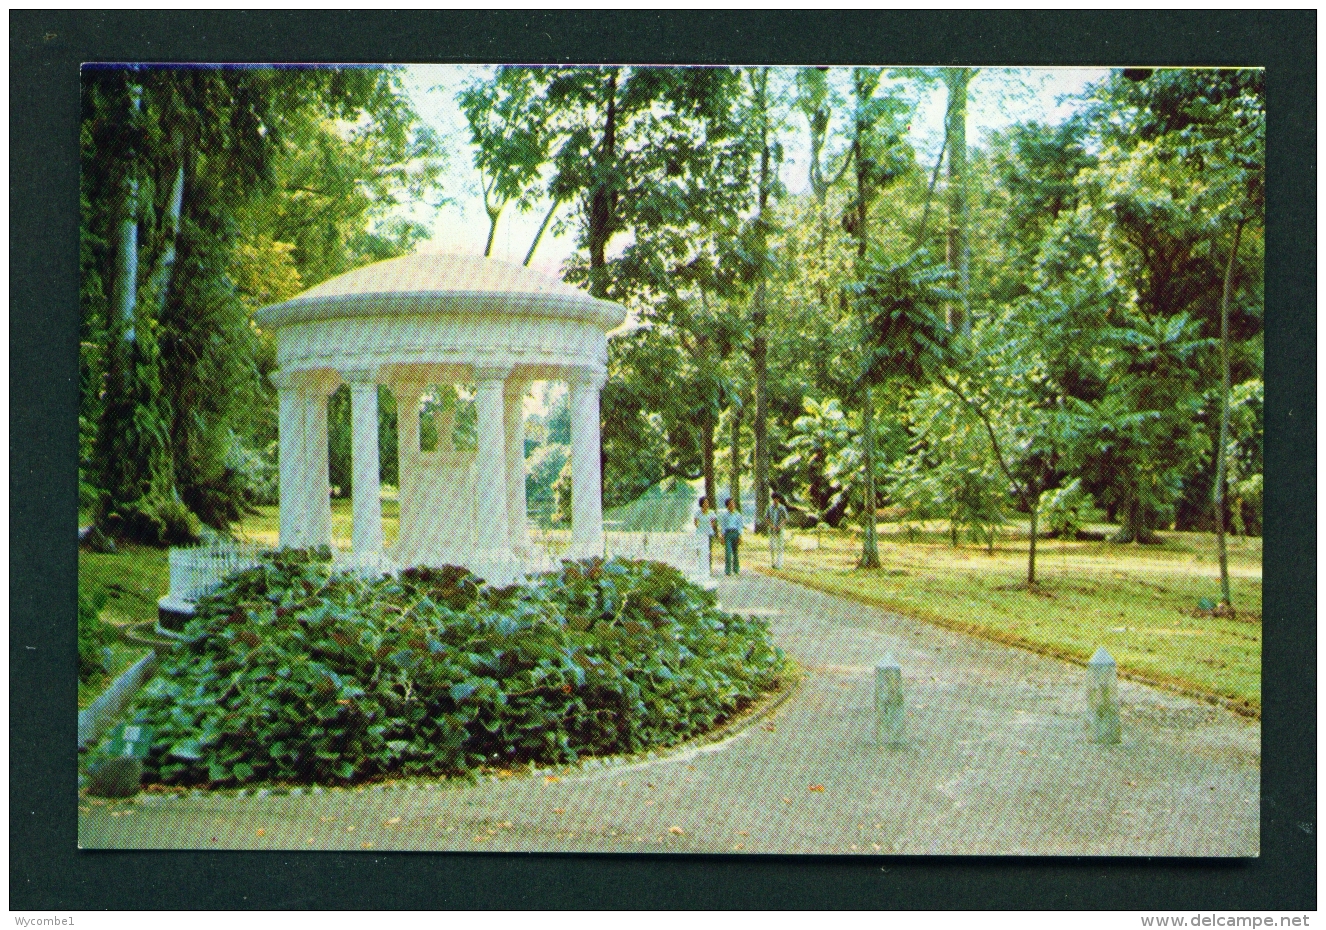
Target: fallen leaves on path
column 549, row 779
column 676, row 831
column 391, row 822
column 817, row 788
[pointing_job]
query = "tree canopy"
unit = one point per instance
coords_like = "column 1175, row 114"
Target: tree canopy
column 1072, row 311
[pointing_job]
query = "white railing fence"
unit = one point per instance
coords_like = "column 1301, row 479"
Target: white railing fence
column 199, row 570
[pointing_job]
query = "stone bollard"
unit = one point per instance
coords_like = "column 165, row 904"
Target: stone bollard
column 888, row 702
column 116, row 778
column 1103, row 699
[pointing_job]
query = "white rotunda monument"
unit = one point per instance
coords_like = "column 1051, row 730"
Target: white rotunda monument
column 429, row 319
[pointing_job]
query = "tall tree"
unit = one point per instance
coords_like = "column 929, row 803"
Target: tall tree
column 904, row 338
column 958, row 250
column 762, row 124
column 1182, row 172
column 879, row 156
column 187, row 149
column 1209, row 129
column 653, row 156
column 506, row 119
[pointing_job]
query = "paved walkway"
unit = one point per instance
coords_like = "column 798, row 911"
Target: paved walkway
column 996, row 762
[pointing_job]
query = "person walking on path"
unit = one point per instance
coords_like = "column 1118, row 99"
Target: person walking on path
column 706, row 527
column 775, row 518
column 731, row 524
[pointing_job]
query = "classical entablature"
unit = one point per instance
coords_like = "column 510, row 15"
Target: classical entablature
column 423, row 320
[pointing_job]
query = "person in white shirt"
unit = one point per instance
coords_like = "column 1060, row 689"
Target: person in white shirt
column 706, row 527
column 731, row 524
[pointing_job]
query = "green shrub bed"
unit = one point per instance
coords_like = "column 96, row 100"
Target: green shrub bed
column 292, row 673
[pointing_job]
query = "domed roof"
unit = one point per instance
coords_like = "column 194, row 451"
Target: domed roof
column 444, row 285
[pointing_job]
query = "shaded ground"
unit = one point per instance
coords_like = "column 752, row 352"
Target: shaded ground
column 995, row 762
column 1142, row 603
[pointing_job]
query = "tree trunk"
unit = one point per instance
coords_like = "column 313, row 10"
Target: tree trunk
column 1031, row 552
column 955, row 133
column 759, row 338
column 158, row 283
column 542, row 226
column 126, row 267
column 125, row 294
column 1221, row 448
column 760, row 428
column 869, row 542
column 929, row 196
column 603, row 202
column 493, row 216
column 707, row 428
column 1133, row 525
column 118, row 477
column 734, row 478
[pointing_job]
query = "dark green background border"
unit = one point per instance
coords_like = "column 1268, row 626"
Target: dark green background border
column 46, row 869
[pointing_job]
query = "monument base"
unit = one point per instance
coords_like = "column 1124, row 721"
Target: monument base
column 173, row 613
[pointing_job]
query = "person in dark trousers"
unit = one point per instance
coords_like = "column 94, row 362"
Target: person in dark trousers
column 731, row 524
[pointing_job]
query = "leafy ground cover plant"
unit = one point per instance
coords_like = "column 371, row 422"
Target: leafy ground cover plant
column 294, row 673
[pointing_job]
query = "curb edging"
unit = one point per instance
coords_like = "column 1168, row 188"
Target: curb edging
column 97, row 717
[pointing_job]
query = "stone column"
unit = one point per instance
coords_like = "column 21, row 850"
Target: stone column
column 586, row 473
column 305, row 491
column 493, row 539
column 513, row 421
column 408, row 395
column 366, row 537
column 319, row 516
column 293, row 459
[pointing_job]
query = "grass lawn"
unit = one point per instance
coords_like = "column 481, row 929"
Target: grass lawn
column 1139, row 602
column 123, row 655
column 655, row 511
column 265, row 525
column 133, row 578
